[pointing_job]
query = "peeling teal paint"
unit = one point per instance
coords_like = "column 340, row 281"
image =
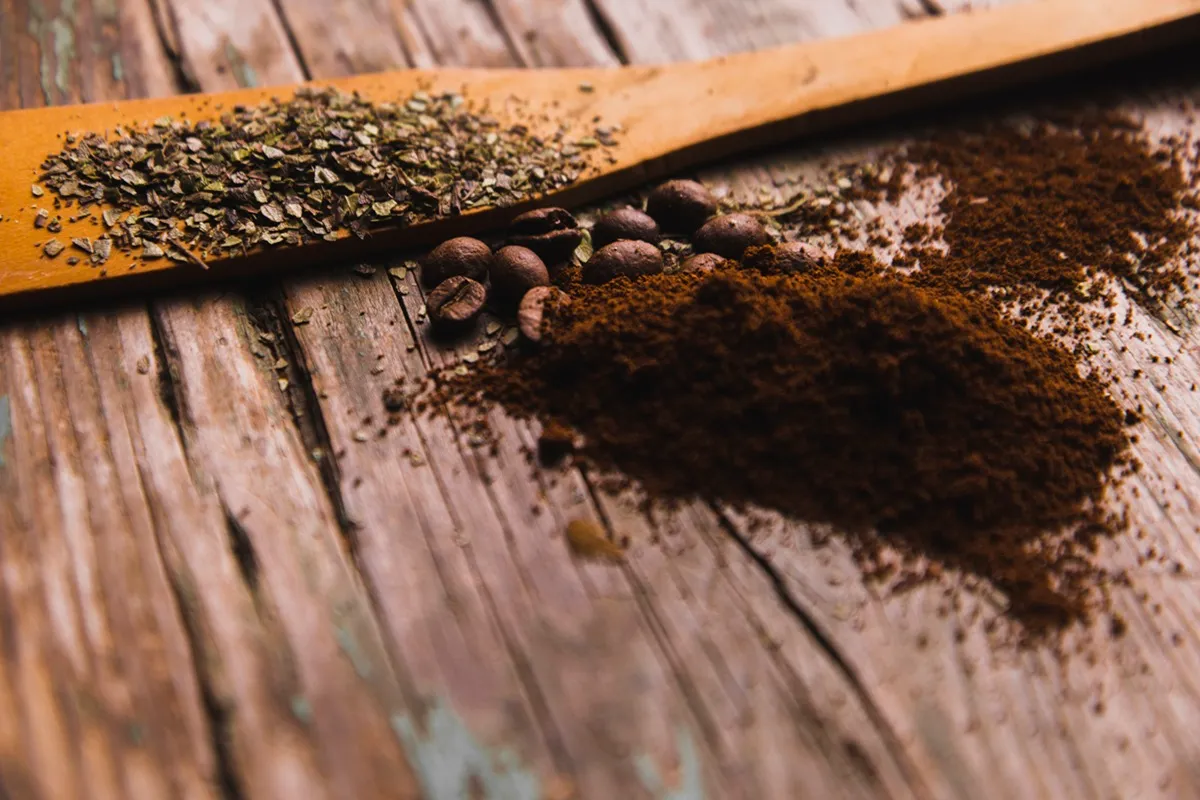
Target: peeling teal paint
column 37, row 21
column 243, row 72
column 691, row 779
column 64, row 52
column 301, row 709
column 5, row 425
column 118, row 68
column 56, row 43
column 349, row 645
column 449, row 760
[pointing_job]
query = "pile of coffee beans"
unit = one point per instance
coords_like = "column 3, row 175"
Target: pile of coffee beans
column 465, row 274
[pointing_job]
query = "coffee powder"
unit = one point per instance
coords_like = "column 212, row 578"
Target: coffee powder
column 1056, row 214
column 911, row 405
column 868, row 403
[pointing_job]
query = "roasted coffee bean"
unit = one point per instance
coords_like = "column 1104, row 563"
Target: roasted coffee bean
column 624, row 223
column 704, row 262
column 729, row 235
column 460, row 256
column 627, row 258
column 681, row 206
column 787, row 258
column 456, row 302
column 516, row 270
column 533, row 309
column 552, row 233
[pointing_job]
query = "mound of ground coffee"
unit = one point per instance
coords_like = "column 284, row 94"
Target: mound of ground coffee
column 866, row 402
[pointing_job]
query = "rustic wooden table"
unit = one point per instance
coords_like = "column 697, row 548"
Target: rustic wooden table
column 209, row 586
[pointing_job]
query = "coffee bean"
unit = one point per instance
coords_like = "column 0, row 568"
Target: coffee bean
column 552, row 233
column 624, row 223
column 630, row 259
column 456, row 302
column 729, row 235
column 787, row 258
column 681, row 206
column 516, row 270
column 534, row 307
column 460, row 256
column 704, row 262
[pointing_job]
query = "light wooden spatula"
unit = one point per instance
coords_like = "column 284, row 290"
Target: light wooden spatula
column 672, row 116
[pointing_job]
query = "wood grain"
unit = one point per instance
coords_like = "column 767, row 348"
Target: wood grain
column 419, row 588
column 749, row 100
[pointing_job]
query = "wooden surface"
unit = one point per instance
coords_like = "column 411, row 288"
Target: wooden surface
column 748, row 99
column 210, row 587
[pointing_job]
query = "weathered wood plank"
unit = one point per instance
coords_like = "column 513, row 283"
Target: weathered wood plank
column 1021, row 725
column 292, row 718
column 241, row 441
column 251, row 695
column 473, row 717
column 98, row 662
column 565, row 732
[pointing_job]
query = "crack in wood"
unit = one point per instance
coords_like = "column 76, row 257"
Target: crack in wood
column 166, row 28
column 305, row 407
column 292, row 41
column 825, row 642
column 600, row 21
column 217, row 712
column 167, row 388
column 497, row 20
column 655, row 625
column 243, row 550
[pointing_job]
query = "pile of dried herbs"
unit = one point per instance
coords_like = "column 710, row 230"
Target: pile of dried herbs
column 304, row 169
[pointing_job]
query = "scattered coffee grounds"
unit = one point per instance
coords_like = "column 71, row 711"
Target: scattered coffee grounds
column 867, row 403
column 301, row 170
column 1063, row 210
column 916, row 405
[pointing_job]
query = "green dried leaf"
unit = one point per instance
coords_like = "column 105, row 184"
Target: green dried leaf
column 332, row 163
column 271, row 212
column 102, row 249
column 584, row 251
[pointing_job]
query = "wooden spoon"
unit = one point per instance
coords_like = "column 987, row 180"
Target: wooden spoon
column 672, row 116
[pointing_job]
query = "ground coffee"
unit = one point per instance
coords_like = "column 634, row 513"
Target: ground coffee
column 1056, row 214
column 867, row 403
column 910, row 405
